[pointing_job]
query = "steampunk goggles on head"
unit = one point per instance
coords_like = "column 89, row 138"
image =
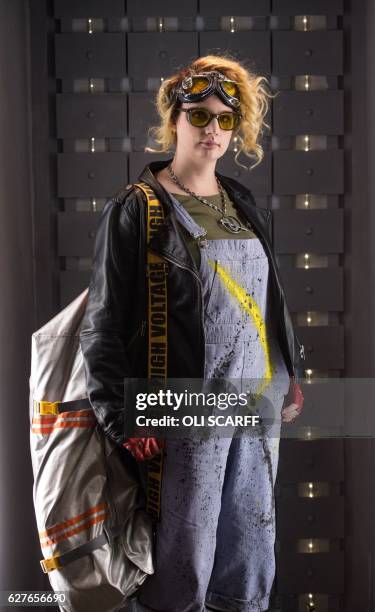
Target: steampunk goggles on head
column 196, row 87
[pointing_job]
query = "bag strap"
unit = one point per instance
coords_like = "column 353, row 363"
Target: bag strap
column 43, row 407
column 58, row 561
column 157, row 270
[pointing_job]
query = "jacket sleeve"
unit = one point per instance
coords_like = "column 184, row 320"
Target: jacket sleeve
column 270, row 230
column 104, row 330
column 298, row 349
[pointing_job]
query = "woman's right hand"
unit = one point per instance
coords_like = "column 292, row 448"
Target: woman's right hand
column 143, row 448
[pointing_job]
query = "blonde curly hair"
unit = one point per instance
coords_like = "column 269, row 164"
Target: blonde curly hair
column 254, row 105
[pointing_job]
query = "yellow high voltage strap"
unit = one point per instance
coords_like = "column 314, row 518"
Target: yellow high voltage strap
column 157, row 270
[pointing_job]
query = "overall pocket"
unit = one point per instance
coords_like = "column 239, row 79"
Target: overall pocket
column 236, row 289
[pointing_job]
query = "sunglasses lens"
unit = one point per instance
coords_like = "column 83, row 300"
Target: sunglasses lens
column 199, row 117
column 227, row 121
column 231, row 89
column 199, row 85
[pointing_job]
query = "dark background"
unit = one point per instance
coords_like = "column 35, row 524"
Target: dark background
column 62, row 86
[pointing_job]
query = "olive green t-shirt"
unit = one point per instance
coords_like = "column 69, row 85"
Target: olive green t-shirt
column 208, row 217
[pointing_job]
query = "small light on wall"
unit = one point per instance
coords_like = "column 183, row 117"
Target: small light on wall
column 307, row 143
column 91, row 85
column 307, row 81
column 306, row 257
column 305, row 22
column 308, row 318
column 92, row 145
column 160, row 24
column 311, row 604
column 307, row 200
column 313, row 489
column 89, row 26
column 93, row 205
column 232, row 24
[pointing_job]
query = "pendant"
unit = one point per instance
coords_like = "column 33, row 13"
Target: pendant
column 232, row 225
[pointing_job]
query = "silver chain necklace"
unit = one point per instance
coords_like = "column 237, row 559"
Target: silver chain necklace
column 230, row 223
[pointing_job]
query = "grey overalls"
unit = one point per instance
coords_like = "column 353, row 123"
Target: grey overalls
column 215, row 539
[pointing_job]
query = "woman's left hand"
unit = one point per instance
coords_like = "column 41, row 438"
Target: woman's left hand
column 293, row 402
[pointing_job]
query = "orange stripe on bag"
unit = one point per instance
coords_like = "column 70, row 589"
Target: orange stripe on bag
column 45, row 424
column 64, row 425
column 51, row 418
column 73, row 520
column 75, row 531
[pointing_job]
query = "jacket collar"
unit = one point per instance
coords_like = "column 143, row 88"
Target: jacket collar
column 239, row 195
column 164, row 241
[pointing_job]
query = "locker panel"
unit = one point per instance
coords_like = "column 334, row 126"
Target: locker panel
column 89, row 8
column 72, row 283
column 320, row 517
column 155, row 55
column 307, row 7
column 318, row 52
column 90, row 55
column 238, row 8
column 307, row 572
column 308, row 231
column 243, row 45
column 76, row 233
column 318, row 461
column 314, row 289
column 258, row 180
column 138, row 161
column 142, row 115
column 90, row 174
column 91, row 115
column 324, row 346
column 163, row 8
column 308, row 172
column 310, row 112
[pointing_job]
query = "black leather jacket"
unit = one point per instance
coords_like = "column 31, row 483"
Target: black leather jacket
column 113, row 335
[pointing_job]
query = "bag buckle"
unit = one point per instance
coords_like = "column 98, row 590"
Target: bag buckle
column 48, row 407
column 50, row 564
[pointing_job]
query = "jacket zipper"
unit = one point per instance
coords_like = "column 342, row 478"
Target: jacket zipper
column 172, row 260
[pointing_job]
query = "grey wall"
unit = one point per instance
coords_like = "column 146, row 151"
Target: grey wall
column 19, row 550
column 360, row 298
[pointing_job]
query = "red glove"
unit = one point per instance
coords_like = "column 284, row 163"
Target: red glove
column 143, row 448
column 293, row 402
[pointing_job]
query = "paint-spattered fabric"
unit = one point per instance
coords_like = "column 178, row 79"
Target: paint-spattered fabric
column 215, row 540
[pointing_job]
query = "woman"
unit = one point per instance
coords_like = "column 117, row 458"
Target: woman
column 214, row 542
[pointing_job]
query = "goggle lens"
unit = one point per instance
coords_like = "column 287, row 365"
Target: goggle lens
column 199, row 84
column 230, row 88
